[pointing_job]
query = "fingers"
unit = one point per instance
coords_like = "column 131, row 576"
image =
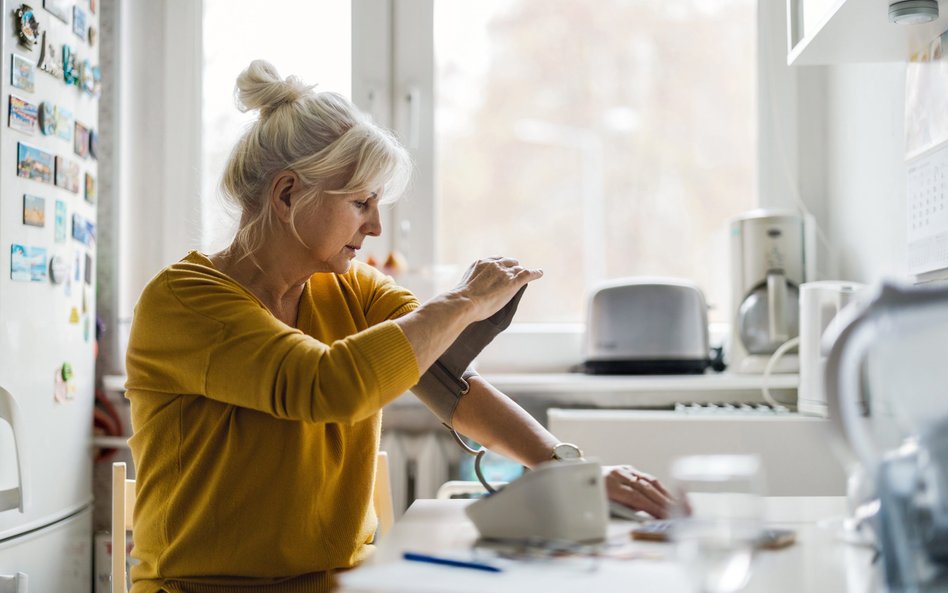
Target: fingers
column 638, row 490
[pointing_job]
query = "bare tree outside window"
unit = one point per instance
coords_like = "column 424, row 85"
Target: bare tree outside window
column 595, row 139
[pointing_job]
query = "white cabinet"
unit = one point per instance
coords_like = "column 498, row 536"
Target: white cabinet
column 57, row 558
column 842, row 31
column 795, row 449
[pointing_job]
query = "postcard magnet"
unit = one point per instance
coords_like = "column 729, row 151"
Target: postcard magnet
column 22, row 74
column 79, row 21
column 67, row 174
column 60, row 219
column 81, row 143
column 27, row 27
column 88, row 273
column 93, row 36
column 58, row 8
column 33, row 163
column 23, row 115
column 86, row 77
column 34, row 210
column 93, row 143
column 63, row 123
column 19, row 268
column 90, row 189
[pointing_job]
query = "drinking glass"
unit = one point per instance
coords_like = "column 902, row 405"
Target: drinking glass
column 718, row 519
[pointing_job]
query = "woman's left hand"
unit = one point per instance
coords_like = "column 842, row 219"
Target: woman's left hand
column 637, row 490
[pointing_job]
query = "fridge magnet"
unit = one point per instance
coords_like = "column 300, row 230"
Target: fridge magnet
column 92, row 6
column 88, row 276
column 70, row 69
column 57, row 269
column 85, row 327
column 27, row 27
column 33, row 163
column 47, row 118
column 74, row 315
column 49, row 60
column 23, row 115
column 27, row 264
column 60, row 386
column 90, row 193
column 84, row 232
column 58, row 8
column 19, row 265
column 79, row 21
column 63, row 123
column 96, row 81
column 34, row 210
column 86, row 77
column 81, row 143
column 21, row 74
column 76, row 268
column 85, row 302
column 93, row 36
column 93, row 144
column 67, row 174
column 60, row 221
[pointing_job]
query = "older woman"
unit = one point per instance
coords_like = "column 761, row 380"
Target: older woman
column 256, row 375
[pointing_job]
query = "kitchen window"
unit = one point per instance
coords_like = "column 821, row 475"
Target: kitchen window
column 593, row 139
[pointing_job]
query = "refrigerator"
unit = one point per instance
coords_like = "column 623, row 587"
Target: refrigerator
column 50, row 84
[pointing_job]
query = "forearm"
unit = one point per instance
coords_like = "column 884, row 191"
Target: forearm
column 496, row 422
column 434, row 326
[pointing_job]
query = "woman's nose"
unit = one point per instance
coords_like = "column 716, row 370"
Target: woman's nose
column 373, row 226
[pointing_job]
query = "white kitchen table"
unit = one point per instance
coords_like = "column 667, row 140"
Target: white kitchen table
column 819, row 561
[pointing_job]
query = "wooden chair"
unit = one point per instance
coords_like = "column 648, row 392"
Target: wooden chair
column 382, row 495
column 123, row 506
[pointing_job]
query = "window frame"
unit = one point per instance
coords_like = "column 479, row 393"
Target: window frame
column 398, row 35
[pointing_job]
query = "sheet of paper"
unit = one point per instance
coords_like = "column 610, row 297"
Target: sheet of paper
column 549, row 576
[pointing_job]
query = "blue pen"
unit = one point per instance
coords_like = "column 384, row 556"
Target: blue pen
column 449, row 562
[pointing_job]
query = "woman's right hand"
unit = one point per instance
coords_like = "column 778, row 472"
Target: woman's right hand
column 490, row 283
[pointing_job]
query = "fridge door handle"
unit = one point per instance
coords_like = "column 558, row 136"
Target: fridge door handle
column 14, row 498
column 14, row 583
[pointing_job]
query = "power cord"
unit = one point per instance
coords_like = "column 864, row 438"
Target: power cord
column 777, row 355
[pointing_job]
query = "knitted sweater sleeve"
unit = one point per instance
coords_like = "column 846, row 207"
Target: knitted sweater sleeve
column 194, row 332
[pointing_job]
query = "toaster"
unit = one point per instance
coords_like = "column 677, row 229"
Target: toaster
column 646, row 326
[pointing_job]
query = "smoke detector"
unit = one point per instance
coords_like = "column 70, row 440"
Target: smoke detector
column 913, row 12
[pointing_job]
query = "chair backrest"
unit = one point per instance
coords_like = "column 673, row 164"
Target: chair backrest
column 382, row 494
column 123, row 507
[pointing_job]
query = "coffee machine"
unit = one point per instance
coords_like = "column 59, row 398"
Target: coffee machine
column 772, row 254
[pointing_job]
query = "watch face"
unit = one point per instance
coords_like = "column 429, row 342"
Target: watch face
column 567, row 451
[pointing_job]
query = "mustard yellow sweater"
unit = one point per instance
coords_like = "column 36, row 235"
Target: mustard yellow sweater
column 254, row 442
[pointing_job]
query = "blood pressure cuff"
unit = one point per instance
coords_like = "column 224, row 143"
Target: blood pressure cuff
column 442, row 385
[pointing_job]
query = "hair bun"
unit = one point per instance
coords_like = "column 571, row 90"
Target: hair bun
column 259, row 86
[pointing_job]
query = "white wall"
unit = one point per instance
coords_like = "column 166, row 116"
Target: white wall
column 865, row 170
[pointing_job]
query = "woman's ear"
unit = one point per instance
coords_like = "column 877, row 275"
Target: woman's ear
column 283, row 191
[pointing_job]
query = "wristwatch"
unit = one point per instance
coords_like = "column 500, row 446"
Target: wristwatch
column 567, row 452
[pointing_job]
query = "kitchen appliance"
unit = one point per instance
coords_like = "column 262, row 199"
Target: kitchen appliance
column 555, row 502
column 646, row 325
column 885, row 387
column 48, row 174
column 772, row 254
column 820, row 302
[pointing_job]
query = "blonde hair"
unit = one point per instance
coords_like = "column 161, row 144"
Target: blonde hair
column 331, row 146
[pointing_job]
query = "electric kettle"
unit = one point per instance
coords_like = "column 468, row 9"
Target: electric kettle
column 886, row 382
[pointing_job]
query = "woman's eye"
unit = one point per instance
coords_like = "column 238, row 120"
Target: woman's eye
column 362, row 205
